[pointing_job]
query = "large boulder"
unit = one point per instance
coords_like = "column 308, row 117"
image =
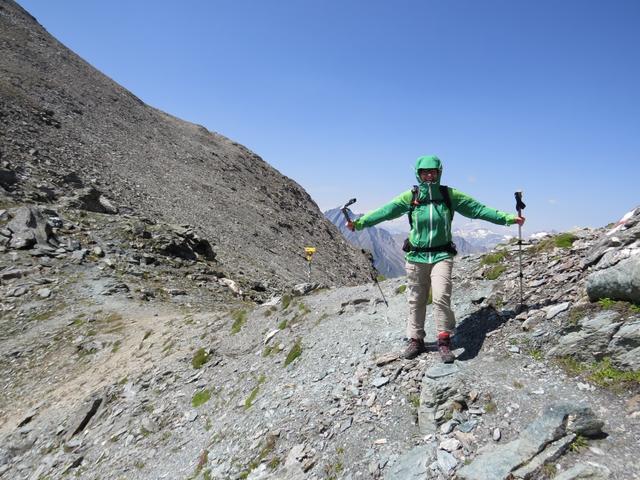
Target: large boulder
column 28, row 228
column 590, row 337
column 618, row 282
column 183, row 242
column 92, row 200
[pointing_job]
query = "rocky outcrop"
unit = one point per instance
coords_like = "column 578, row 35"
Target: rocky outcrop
column 92, row 200
column 28, row 228
column 442, row 394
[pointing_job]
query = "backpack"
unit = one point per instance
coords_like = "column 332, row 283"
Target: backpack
column 446, row 199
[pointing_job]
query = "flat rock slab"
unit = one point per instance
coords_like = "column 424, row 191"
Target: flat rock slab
column 442, row 370
column 591, row 471
column 386, row 359
column 549, row 454
column 555, row 422
column 413, row 465
column 380, row 381
column 556, row 309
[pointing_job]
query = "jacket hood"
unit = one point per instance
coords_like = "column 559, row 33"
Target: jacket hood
column 428, row 161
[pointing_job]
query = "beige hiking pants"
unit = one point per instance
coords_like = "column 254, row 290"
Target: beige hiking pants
column 421, row 277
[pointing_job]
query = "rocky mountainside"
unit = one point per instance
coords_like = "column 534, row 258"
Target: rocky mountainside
column 65, row 128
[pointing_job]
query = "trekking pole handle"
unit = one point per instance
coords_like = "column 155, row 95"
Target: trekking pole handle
column 519, row 203
column 345, row 209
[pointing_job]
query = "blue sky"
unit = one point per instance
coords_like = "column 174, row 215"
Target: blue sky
column 343, row 96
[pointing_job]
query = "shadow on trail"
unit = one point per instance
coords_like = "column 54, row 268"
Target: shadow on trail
column 473, row 330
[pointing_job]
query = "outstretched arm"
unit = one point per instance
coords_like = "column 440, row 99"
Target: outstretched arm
column 394, row 209
column 471, row 208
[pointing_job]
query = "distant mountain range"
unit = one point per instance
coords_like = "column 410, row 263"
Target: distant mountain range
column 386, row 247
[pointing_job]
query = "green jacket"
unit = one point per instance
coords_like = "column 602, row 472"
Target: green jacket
column 432, row 221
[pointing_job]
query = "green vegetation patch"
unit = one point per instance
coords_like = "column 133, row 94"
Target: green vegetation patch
column 494, row 272
column 282, row 325
column 46, row 315
column 294, row 353
column 303, row 308
column 571, row 366
column 200, row 398
column 254, row 393
column 286, row 301
column 490, row 406
column 579, row 443
column 267, row 448
column 536, row 354
column 603, row 373
column 625, row 308
column 239, row 319
column 401, row 289
column 493, row 258
column 269, row 349
column 200, row 358
column 116, row 346
column 579, row 312
column 333, row 470
column 564, row 240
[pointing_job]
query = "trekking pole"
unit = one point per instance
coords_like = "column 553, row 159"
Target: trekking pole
column 345, row 212
column 519, row 207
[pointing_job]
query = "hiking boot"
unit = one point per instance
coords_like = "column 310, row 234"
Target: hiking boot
column 415, row 348
column 444, row 347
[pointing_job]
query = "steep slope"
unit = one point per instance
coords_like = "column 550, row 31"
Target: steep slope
column 64, row 125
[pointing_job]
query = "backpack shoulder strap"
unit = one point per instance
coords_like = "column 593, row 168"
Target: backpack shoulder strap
column 415, row 192
column 446, row 197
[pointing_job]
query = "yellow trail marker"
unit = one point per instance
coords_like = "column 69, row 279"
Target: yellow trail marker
column 309, row 251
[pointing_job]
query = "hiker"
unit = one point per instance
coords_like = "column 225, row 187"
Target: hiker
column 430, row 250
